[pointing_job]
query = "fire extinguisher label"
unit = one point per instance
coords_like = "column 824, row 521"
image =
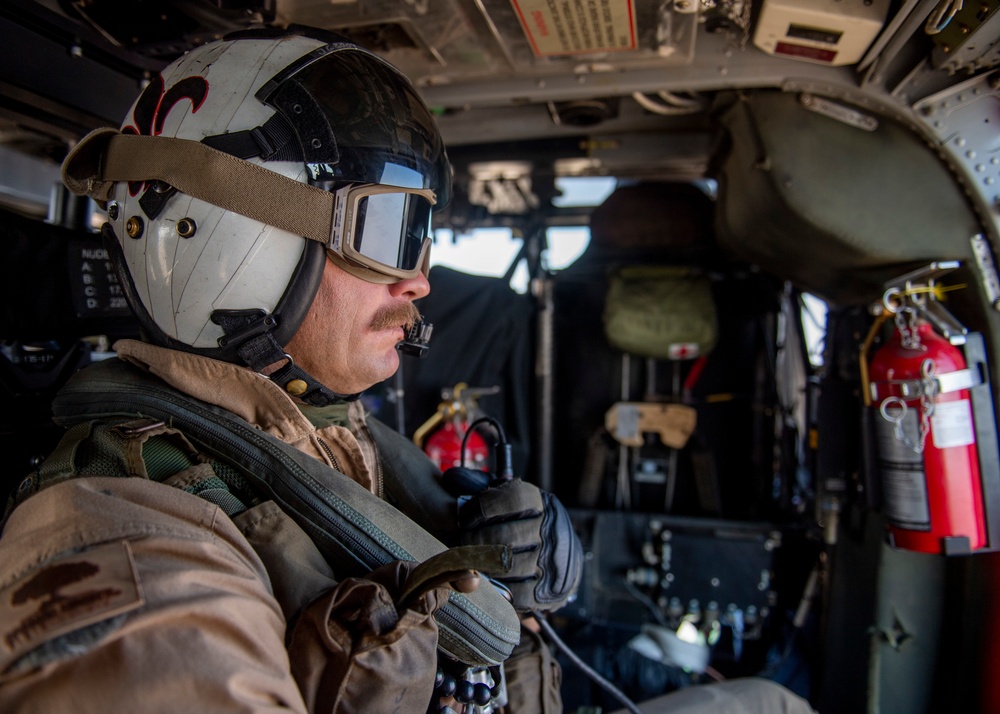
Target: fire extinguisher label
column 951, row 424
column 903, row 485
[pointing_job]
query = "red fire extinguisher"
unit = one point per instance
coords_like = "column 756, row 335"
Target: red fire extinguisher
column 443, row 436
column 926, row 442
column 444, row 447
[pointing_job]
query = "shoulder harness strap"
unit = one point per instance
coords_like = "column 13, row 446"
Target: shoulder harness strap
column 354, row 530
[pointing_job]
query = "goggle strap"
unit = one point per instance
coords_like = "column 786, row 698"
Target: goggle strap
column 105, row 157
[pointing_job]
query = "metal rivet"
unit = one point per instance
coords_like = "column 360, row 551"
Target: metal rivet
column 186, row 227
column 133, row 226
column 27, row 485
column 316, row 143
column 113, row 211
column 296, row 387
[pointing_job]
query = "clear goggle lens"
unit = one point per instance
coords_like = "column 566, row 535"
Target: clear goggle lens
column 384, row 228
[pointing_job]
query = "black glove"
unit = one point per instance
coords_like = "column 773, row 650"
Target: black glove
column 547, row 555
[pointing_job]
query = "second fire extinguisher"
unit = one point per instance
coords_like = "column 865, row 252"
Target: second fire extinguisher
column 926, row 441
column 445, row 447
column 446, row 437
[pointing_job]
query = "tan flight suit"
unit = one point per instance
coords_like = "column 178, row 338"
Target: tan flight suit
column 130, row 595
column 123, row 594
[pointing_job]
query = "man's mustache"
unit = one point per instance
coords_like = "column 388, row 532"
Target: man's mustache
column 401, row 314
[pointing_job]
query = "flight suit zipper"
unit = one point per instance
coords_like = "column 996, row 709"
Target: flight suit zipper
column 329, row 454
column 379, row 478
column 377, row 466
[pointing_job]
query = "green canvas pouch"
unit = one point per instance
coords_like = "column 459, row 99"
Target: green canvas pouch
column 664, row 312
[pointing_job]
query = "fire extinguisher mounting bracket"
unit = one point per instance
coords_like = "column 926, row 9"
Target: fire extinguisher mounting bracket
column 918, row 290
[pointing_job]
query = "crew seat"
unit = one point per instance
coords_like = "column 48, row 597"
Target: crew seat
column 724, row 469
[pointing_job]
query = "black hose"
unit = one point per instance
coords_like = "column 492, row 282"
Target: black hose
column 586, row 668
column 505, row 469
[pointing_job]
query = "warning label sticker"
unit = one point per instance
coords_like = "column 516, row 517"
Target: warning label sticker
column 905, row 492
column 904, row 487
column 952, row 424
column 565, row 27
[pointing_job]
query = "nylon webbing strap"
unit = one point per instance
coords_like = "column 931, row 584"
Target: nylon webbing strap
column 62, row 461
column 256, row 346
column 454, row 563
column 272, row 141
column 106, row 156
column 164, row 458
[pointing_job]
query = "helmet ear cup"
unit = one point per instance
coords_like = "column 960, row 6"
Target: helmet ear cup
column 150, row 330
column 289, row 314
column 302, row 289
column 232, row 262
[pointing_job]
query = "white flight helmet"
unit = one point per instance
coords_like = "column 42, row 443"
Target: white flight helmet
column 242, row 167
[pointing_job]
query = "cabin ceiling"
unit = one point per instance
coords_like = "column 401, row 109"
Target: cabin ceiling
column 586, row 87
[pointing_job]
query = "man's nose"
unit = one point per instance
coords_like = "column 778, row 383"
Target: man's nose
column 411, row 288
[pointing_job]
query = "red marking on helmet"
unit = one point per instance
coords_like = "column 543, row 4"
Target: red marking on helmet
column 153, row 106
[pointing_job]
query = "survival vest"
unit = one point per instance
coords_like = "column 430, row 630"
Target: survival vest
column 354, row 530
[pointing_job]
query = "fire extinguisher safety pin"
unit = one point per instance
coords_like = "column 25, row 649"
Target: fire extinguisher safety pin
column 885, row 409
column 897, row 419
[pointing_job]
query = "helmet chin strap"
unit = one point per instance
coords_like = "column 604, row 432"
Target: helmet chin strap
column 249, row 332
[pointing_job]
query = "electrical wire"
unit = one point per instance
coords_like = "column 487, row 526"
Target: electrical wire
column 942, row 15
column 586, row 668
column 679, row 101
column 503, row 449
column 669, row 109
column 645, row 600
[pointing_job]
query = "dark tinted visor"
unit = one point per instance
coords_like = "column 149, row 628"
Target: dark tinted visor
column 357, row 117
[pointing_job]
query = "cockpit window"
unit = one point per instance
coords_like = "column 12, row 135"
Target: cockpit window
column 566, row 244
column 491, row 251
column 583, row 190
column 482, row 251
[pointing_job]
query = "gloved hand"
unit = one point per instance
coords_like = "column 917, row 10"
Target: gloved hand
column 547, row 555
column 353, row 650
column 369, row 644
